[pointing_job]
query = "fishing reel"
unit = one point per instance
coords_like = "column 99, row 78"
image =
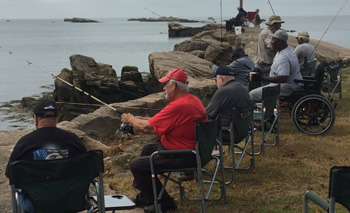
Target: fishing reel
column 127, row 129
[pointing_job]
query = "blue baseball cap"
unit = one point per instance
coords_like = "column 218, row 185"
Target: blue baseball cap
column 223, row 70
column 237, row 50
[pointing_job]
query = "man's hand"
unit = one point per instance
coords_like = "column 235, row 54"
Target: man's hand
column 257, row 70
column 255, row 76
column 126, row 118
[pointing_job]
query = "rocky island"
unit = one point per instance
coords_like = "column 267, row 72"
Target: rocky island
column 79, row 20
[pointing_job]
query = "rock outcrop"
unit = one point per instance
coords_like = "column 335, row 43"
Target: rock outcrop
column 98, row 80
column 216, row 46
column 178, row 30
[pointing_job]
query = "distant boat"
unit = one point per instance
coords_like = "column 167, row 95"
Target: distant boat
column 8, row 20
column 210, row 20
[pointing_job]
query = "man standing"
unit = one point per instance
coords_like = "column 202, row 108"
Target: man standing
column 238, row 20
column 257, row 20
column 265, row 51
column 284, row 70
column 45, row 143
column 304, row 51
column 175, row 125
column 230, row 94
column 240, row 66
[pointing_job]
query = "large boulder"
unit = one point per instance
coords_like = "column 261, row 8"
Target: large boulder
column 97, row 79
column 131, row 83
column 178, row 30
column 197, row 70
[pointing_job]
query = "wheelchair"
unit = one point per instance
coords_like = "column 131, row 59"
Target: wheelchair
column 310, row 111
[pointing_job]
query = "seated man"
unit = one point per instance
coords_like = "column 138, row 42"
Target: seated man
column 230, row 94
column 304, row 51
column 45, row 143
column 285, row 68
column 175, row 125
column 240, row 66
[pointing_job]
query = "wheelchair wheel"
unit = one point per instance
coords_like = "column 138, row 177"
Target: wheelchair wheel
column 313, row 115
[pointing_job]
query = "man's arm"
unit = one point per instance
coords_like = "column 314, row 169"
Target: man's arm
column 138, row 123
column 275, row 79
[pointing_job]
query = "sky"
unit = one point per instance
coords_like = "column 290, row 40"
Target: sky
column 52, row 9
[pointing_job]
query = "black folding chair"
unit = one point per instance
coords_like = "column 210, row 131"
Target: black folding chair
column 59, row 185
column 206, row 138
column 267, row 116
column 241, row 129
column 339, row 191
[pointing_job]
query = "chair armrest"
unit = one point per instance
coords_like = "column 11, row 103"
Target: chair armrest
column 305, row 81
column 311, row 195
column 308, row 78
column 181, row 152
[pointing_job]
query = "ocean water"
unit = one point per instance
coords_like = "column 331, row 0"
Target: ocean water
column 48, row 44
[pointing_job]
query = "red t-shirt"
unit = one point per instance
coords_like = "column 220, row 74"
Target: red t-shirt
column 175, row 124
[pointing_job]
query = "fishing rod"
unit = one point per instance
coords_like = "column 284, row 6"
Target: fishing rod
column 124, row 127
column 271, row 7
column 346, row 1
column 152, row 12
column 221, row 22
column 99, row 105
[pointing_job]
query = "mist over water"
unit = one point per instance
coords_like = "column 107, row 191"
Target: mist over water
column 48, row 43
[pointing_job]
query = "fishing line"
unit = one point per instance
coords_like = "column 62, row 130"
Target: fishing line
column 271, row 7
column 152, row 12
column 346, row 1
column 99, row 105
column 125, row 128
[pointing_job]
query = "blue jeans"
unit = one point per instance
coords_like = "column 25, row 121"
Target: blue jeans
column 25, row 204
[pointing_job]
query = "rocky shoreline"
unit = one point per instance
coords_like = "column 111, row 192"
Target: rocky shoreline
column 131, row 91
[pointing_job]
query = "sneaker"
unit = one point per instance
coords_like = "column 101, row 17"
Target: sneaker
column 140, row 200
column 187, row 177
column 166, row 206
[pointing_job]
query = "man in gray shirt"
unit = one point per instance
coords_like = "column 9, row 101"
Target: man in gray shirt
column 304, row 51
column 230, row 94
column 240, row 66
column 284, row 70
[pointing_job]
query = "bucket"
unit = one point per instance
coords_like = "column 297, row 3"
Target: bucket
column 238, row 30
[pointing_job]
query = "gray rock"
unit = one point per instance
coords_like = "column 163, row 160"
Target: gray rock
column 178, row 30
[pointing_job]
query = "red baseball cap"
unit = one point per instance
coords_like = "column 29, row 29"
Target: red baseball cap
column 175, row 74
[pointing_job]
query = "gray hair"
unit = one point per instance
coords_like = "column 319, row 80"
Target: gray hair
column 182, row 86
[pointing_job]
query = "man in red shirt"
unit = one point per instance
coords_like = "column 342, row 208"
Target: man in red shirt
column 175, row 125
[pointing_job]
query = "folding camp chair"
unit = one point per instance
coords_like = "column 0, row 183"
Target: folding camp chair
column 59, row 185
column 241, row 128
column 206, row 138
column 339, row 191
column 309, row 68
column 332, row 84
column 267, row 115
column 250, row 16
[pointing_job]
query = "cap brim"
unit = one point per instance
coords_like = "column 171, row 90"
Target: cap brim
column 164, row 79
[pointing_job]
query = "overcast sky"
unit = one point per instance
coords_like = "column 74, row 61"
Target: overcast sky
column 11, row 9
